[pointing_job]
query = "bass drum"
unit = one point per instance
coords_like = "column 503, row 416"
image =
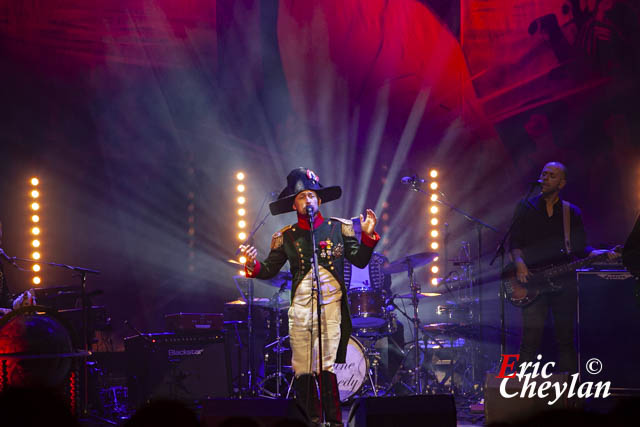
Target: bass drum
column 352, row 374
column 38, row 348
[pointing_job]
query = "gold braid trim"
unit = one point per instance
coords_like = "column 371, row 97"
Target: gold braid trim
column 347, row 226
column 277, row 239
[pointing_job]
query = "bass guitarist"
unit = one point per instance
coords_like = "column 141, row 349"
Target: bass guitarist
column 538, row 240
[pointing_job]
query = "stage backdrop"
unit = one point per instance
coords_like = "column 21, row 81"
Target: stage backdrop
column 136, row 114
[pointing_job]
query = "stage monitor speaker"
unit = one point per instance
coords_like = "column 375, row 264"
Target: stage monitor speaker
column 498, row 409
column 187, row 367
column 264, row 412
column 608, row 326
column 431, row 410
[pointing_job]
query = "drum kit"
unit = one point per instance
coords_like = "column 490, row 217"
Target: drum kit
column 378, row 362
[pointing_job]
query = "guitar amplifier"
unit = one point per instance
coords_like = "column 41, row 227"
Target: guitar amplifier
column 608, row 328
column 179, row 322
column 189, row 367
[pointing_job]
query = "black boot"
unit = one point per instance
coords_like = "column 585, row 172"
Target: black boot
column 331, row 399
column 307, row 397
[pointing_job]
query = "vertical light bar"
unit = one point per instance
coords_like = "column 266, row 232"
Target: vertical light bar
column 433, row 235
column 241, row 222
column 35, row 229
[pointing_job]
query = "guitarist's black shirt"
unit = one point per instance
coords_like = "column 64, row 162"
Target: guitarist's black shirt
column 541, row 238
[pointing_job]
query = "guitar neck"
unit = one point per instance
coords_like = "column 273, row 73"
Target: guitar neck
column 573, row 266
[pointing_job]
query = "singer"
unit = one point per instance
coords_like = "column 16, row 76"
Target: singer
column 550, row 231
column 335, row 241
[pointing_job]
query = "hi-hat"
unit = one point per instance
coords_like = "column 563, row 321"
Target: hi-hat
column 420, row 295
column 410, row 261
column 457, row 261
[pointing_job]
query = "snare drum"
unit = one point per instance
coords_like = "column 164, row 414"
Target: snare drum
column 352, row 374
column 367, row 308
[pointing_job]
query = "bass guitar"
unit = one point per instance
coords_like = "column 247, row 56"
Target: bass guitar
column 542, row 280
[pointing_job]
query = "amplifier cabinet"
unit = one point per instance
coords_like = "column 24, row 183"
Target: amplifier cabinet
column 608, row 329
column 186, row 367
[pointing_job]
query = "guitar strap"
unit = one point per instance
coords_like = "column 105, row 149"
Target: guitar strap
column 566, row 220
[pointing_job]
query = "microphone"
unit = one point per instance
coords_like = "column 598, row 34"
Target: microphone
column 411, row 180
column 310, row 211
column 535, row 183
column 8, row 258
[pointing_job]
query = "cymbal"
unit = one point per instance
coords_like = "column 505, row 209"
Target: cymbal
column 415, row 260
column 256, row 301
column 420, row 295
column 441, row 327
column 282, row 276
column 271, row 303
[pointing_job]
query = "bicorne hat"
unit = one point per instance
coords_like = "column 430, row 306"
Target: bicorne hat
column 298, row 180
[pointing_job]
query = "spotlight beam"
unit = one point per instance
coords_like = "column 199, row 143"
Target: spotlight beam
column 406, row 140
column 374, row 141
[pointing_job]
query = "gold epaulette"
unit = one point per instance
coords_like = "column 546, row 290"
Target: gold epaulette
column 347, row 226
column 277, row 239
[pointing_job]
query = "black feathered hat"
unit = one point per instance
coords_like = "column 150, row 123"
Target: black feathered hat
column 298, row 180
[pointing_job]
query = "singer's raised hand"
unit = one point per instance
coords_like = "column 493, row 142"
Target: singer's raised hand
column 369, row 224
column 250, row 253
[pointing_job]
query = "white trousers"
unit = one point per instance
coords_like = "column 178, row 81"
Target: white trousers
column 303, row 324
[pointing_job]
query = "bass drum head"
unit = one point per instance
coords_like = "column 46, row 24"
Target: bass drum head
column 352, row 374
column 43, row 338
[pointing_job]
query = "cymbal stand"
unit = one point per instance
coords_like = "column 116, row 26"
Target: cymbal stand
column 279, row 348
column 252, row 384
column 374, row 364
column 415, row 345
column 415, row 290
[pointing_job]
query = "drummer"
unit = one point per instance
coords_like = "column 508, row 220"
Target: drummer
column 371, row 276
column 25, row 299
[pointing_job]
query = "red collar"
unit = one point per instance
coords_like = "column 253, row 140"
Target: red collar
column 303, row 221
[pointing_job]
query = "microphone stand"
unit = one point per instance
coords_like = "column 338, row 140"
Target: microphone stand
column 500, row 252
column 316, row 289
column 479, row 226
column 5, row 295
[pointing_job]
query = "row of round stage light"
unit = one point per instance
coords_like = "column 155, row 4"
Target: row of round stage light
column 242, row 214
column 434, row 225
column 34, row 229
